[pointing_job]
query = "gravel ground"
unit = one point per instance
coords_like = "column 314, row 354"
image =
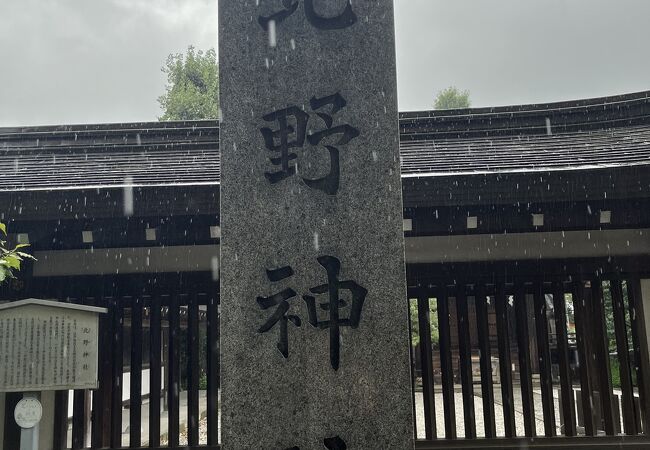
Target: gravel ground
column 182, row 438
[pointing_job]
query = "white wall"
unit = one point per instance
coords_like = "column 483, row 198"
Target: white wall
column 186, row 258
column 526, row 246
column 126, row 387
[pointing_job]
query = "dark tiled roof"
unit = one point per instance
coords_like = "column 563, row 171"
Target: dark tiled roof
column 615, row 147
column 139, row 154
column 585, row 134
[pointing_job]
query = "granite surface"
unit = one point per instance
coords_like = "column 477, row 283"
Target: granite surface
column 325, row 68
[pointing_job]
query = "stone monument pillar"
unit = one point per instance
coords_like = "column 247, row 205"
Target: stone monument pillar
column 314, row 312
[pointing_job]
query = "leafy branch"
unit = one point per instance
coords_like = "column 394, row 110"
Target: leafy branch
column 11, row 259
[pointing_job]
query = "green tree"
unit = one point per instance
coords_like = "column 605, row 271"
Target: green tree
column 192, row 90
column 10, row 258
column 433, row 321
column 452, row 98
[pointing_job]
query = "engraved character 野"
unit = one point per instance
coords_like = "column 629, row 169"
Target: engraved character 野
column 292, row 133
column 346, row 18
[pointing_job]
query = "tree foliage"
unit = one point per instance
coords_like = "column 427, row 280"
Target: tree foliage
column 452, row 98
column 433, row 323
column 11, row 259
column 192, row 90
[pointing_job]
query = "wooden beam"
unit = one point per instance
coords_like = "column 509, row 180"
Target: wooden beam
column 544, row 352
column 426, row 361
column 78, row 419
column 566, row 384
column 193, row 370
column 584, row 355
column 446, row 365
column 623, row 350
column 117, row 366
column 413, row 364
column 638, row 315
column 101, row 404
column 487, row 388
column 601, row 347
column 505, row 362
column 465, row 352
column 173, row 373
column 525, row 370
column 60, row 421
column 213, row 368
column 135, row 395
column 155, row 354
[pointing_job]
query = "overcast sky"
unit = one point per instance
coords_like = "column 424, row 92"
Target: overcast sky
column 87, row 61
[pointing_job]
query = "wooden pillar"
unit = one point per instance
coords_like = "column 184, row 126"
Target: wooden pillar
column 505, row 361
column 583, row 337
column 525, row 369
column 446, row 365
column 426, row 361
column 465, row 351
column 193, row 370
column 413, row 367
column 117, row 375
column 60, row 421
column 639, row 295
column 601, row 352
column 173, row 372
column 544, row 356
column 135, row 395
column 155, row 371
column 213, row 369
column 487, row 389
column 566, row 383
column 101, row 407
column 627, row 387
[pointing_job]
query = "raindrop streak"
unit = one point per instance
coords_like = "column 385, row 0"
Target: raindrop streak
column 316, row 241
column 272, row 36
column 128, row 196
column 215, row 268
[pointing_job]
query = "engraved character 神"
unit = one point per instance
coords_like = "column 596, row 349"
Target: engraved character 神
column 280, row 301
column 333, row 443
column 333, row 288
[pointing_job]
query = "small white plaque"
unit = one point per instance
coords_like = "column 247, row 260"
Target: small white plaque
column 28, row 412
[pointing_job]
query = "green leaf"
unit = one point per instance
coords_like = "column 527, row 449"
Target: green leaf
column 21, row 246
column 3, row 228
column 26, row 256
column 12, row 261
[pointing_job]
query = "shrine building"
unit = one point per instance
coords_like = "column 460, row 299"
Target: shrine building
column 527, row 233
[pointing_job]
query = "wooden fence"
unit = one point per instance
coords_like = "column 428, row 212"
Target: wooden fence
column 543, row 364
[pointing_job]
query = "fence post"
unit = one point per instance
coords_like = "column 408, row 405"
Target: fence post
column 639, row 296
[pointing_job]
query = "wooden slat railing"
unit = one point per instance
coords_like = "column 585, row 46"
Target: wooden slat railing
column 446, row 365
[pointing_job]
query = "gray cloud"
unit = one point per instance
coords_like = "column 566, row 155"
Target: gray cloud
column 83, row 61
column 521, row 51
column 80, row 61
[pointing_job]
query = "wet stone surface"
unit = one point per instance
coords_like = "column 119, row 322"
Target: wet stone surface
column 314, row 338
